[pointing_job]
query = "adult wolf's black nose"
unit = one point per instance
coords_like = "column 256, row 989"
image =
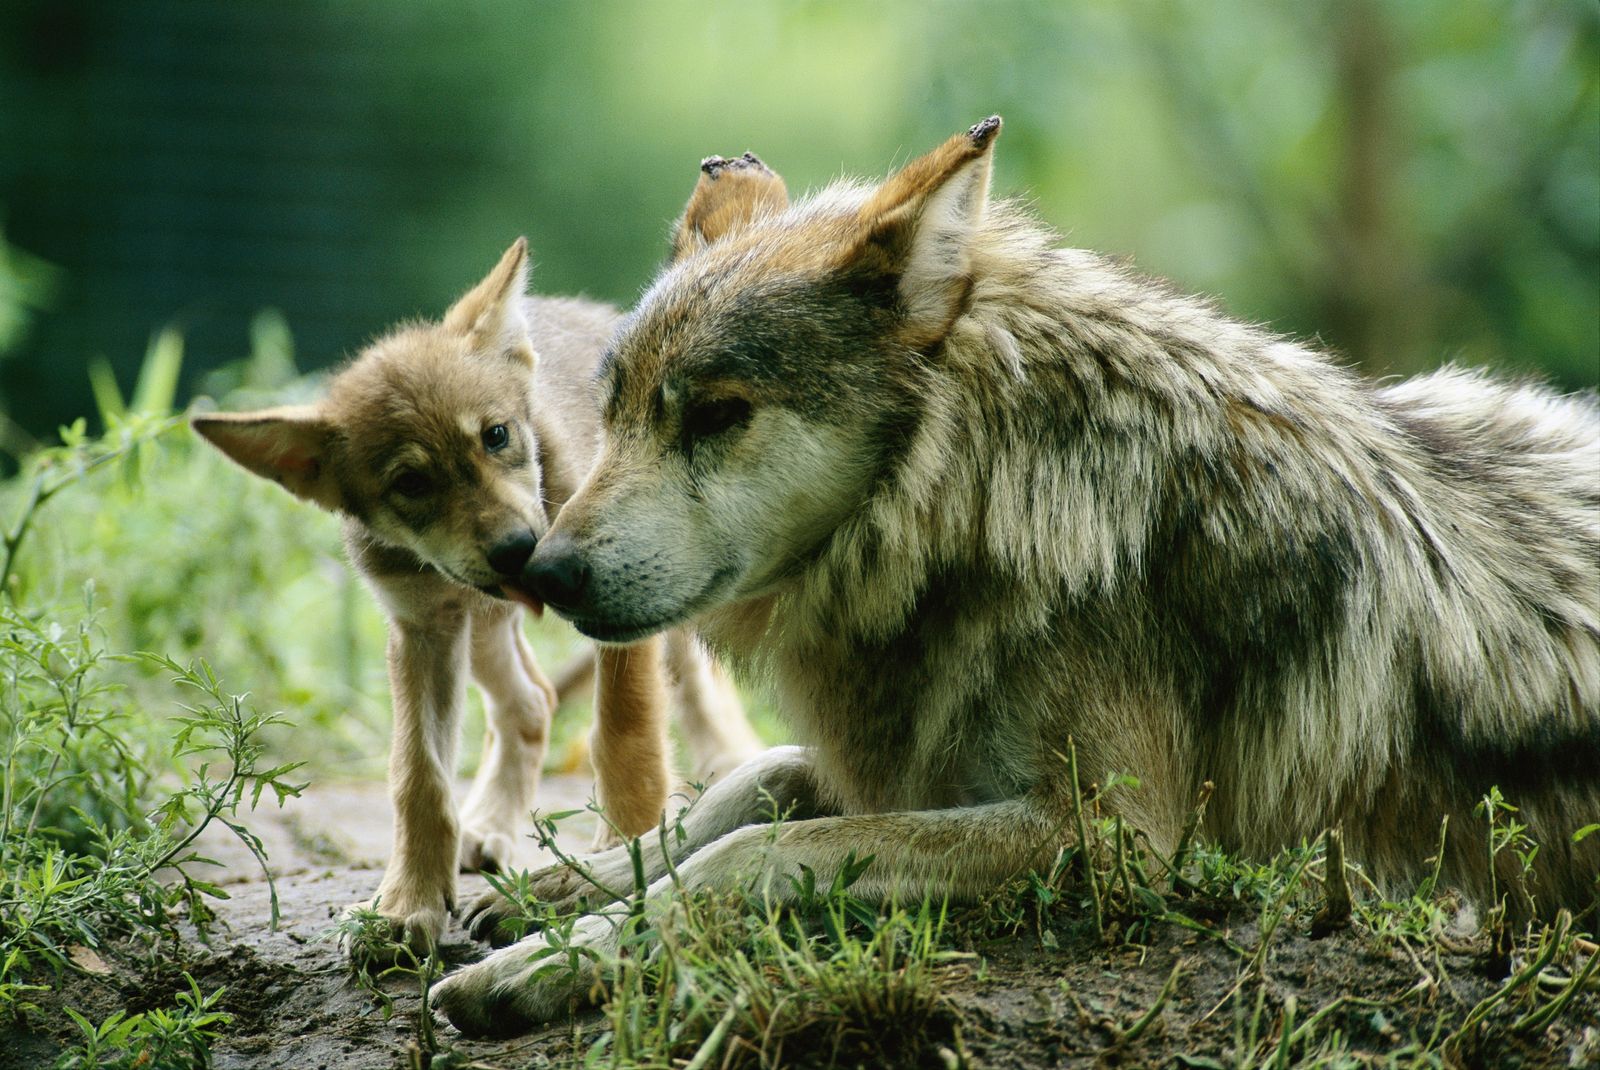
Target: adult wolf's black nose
column 512, row 552
column 557, row 574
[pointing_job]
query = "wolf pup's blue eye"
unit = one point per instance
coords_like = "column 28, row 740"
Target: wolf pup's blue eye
column 496, row 438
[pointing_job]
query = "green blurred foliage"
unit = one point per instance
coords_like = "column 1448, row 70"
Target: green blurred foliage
column 1409, row 180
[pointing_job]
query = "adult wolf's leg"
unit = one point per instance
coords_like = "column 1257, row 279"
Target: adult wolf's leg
column 776, row 783
column 710, row 712
column 427, row 658
column 958, row 852
column 518, row 704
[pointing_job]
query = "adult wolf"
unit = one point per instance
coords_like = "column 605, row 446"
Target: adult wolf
column 959, row 496
column 441, row 446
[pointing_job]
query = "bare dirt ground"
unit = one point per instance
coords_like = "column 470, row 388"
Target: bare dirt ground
column 290, row 992
column 1020, row 1003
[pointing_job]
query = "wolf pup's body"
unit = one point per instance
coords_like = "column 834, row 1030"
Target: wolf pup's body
column 959, row 496
column 443, row 447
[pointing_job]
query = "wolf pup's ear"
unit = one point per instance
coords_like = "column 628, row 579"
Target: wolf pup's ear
column 491, row 314
column 918, row 227
column 729, row 194
column 287, row 445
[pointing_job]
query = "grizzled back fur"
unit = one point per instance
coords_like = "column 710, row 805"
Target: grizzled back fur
column 991, row 494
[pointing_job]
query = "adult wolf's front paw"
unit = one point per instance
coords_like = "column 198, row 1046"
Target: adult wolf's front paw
column 523, row 985
column 379, row 931
column 493, row 919
column 559, row 887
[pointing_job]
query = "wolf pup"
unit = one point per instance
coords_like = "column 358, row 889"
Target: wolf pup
column 443, row 447
column 966, row 498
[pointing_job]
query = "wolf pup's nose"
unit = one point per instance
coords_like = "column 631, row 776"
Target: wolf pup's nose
column 511, row 553
column 557, row 574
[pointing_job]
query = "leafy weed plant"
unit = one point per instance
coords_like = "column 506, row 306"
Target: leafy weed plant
column 105, row 792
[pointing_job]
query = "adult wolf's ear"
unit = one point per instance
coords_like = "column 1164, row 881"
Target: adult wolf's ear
column 730, row 193
column 918, row 227
column 287, row 445
column 491, row 314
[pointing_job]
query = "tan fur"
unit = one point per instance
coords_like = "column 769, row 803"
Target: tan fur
column 980, row 498
column 707, row 702
column 628, row 736
column 417, row 406
column 729, row 194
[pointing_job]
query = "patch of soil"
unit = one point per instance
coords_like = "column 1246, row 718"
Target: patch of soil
column 1032, row 1005
column 294, row 1003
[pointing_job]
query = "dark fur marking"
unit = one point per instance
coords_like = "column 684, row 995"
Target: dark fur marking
column 352, row 503
column 1531, row 758
column 1250, row 619
column 1450, row 456
column 870, row 740
column 982, row 133
column 799, row 343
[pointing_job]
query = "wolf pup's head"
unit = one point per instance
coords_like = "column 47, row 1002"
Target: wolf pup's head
column 426, row 440
column 767, row 380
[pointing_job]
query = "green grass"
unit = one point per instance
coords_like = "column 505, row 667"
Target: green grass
column 177, row 1038
column 120, row 743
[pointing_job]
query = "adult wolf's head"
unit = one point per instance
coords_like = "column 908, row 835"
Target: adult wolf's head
column 767, row 381
column 426, row 439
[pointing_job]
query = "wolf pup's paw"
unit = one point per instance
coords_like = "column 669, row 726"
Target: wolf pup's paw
column 485, row 850
column 374, row 934
column 523, row 985
column 605, row 838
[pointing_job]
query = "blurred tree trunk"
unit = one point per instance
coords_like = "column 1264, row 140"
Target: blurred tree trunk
column 1374, row 297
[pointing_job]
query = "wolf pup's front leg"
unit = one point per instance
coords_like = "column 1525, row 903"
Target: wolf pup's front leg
column 518, row 703
column 427, row 656
column 629, row 744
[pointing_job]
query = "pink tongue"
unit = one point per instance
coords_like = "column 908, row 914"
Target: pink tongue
column 516, row 595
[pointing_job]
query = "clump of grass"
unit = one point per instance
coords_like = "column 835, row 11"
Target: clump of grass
column 376, row 958
column 1510, row 848
column 735, row 982
column 738, row 979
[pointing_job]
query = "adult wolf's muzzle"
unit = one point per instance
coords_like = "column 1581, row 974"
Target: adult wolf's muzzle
column 557, row 574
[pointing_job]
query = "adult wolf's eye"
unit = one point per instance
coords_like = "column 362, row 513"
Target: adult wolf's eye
column 496, row 438
column 410, row 484
column 707, row 418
